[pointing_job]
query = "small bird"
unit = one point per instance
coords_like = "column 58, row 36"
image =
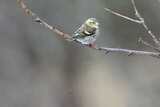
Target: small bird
column 88, row 32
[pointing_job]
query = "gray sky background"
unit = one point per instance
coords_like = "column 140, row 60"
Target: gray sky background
column 39, row 69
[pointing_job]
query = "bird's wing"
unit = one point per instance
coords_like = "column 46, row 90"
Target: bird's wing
column 77, row 32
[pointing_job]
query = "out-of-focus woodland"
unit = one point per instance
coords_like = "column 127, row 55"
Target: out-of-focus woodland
column 40, row 69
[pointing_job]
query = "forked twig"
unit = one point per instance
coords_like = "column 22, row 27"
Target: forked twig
column 68, row 37
column 139, row 21
column 156, row 41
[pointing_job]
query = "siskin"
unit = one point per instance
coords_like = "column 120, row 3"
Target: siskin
column 88, row 32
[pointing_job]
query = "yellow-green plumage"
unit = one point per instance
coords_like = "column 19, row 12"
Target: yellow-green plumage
column 88, row 31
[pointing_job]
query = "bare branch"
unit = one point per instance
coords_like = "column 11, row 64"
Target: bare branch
column 157, row 42
column 70, row 39
column 37, row 19
column 129, row 52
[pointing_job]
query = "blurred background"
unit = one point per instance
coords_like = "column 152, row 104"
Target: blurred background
column 39, row 69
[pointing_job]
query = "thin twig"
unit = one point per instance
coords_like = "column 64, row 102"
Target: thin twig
column 69, row 37
column 148, row 45
column 123, row 16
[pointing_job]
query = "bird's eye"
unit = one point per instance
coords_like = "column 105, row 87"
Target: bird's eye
column 92, row 22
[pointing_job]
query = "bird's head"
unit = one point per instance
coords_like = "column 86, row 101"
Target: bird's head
column 92, row 23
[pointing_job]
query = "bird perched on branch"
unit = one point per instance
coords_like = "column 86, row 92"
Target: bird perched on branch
column 88, row 32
